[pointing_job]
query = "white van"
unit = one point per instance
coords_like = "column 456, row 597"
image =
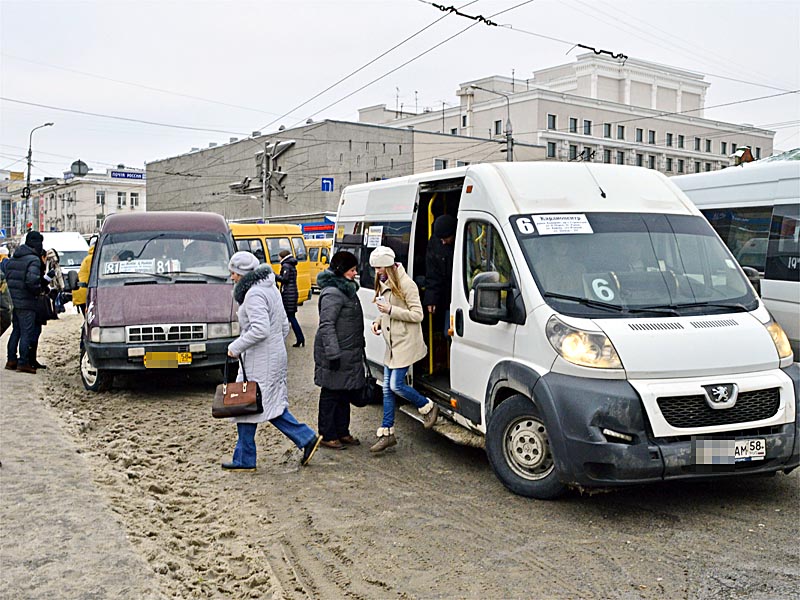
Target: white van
column 71, row 247
column 600, row 332
column 755, row 209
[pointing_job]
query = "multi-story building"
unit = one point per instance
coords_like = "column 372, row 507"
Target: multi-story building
column 311, row 165
column 599, row 109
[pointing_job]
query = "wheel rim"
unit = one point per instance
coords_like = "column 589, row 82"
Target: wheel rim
column 88, row 371
column 526, row 448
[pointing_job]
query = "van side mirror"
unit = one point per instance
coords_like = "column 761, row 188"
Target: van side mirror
column 324, row 260
column 486, row 304
column 754, row 276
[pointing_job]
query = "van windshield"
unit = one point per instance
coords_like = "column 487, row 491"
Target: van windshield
column 630, row 264
column 71, row 258
column 167, row 253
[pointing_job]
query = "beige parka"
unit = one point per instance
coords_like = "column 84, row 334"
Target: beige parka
column 401, row 329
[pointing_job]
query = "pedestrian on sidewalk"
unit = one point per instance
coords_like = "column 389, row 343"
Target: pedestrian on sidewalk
column 288, row 281
column 338, row 350
column 399, row 318
column 80, row 293
column 261, row 348
column 6, row 304
column 24, row 276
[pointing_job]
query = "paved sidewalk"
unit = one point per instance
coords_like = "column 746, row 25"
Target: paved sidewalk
column 58, row 536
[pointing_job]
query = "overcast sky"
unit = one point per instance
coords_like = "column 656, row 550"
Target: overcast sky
column 237, row 66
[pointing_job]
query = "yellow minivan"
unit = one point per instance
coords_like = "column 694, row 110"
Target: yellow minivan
column 268, row 240
column 319, row 255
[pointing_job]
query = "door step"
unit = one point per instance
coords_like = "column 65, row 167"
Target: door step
column 444, row 426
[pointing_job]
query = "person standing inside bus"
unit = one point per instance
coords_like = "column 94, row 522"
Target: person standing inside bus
column 439, row 269
column 288, row 281
column 399, row 318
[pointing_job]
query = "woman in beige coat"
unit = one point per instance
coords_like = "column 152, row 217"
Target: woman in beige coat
column 397, row 298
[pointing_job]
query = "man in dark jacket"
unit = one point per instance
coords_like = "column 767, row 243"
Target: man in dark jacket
column 24, row 276
column 288, row 281
column 439, row 267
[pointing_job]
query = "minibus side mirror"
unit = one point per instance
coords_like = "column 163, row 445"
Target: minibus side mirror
column 324, row 260
column 486, row 305
column 754, row 276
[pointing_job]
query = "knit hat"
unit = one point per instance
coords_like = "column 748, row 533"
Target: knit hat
column 382, row 256
column 34, row 240
column 342, row 262
column 444, row 226
column 242, row 263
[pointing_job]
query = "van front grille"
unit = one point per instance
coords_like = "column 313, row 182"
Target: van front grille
column 693, row 411
column 139, row 334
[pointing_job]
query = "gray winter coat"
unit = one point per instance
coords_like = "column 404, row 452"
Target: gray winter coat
column 340, row 334
column 264, row 328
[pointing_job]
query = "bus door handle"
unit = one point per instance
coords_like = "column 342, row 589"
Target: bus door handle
column 459, row 322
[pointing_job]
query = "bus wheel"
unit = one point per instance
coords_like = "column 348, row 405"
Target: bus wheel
column 519, row 451
column 94, row 380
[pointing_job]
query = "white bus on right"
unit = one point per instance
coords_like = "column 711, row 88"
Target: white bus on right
column 755, row 209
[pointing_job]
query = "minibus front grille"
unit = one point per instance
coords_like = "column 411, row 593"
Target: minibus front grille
column 142, row 334
column 694, row 411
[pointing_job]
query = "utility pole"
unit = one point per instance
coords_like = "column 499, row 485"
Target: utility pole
column 266, row 172
column 509, row 138
column 26, row 192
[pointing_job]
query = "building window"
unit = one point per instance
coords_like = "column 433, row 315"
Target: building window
column 620, row 132
column 651, row 137
column 98, row 221
column 384, row 148
column 375, row 161
column 587, row 127
column 607, row 156
column 454, row 131
column 349, row 176
column 439, row 164
column 639, row 160
column 723, row 148
column 639, row 135
column 669, row 140
column 99, row 197
column 573, row 152
column 588, row 154
column 358, row 160
column 697, row 144
column 400, row 149
column 680, row 165
column 391, row 163
column 551, row 121
column 708, row 145
column 708, row 166
column 651, row 162
column 462, row 163
column 620, row 157
column 498, row 127
column 463, row 120
column 134, row 199
column 607, row 130
column 573, row 125
column 551, row 149
column 758, row 153
column 680, row 141
column 351, row 145
column 696, row 166
column 669, row 165
column 341, row 158
column 366, row 147
column 733, row 147
column 121, row 198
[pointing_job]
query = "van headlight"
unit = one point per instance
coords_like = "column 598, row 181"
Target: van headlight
column 223, row 330
column 107, row 335
column 584, row 348
column 780, row 339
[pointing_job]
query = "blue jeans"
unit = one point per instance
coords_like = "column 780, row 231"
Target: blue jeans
column 394, row 382
column 298, row 333
column 244, row 455
column 23, row 335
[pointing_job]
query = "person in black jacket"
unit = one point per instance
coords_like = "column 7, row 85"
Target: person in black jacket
column 288, row 281
column 439, row 268
column 338, row 350
column 24, row 277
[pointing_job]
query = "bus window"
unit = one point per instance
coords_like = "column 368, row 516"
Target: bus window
column 299, row 248
column 276, row 245
column 783, row 252
column 254, row 246
column 745, row 232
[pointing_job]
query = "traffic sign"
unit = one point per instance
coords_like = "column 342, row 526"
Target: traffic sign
column 26, row 192
column 327, row 184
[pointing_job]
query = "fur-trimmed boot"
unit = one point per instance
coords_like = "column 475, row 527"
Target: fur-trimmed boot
column 386, row 439
column 429, row 412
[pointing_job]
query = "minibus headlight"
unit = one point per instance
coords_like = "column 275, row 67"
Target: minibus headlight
column 219, row 330
column 584, row 348
column 780, row 339
column 110, row 335
column 235, row 328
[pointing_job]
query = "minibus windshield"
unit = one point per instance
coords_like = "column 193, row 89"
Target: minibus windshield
column 169, row 255
column 644, row 264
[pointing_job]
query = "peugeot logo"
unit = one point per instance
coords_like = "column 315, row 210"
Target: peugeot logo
column 721, row 395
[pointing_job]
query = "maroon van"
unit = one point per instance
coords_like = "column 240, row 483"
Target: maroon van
column 159, row 296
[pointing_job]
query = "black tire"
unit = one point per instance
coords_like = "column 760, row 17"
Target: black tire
column 94, row 380
column 519, row 451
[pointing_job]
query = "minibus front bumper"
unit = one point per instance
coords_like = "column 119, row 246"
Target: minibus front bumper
column 599, row 436
column 131, row 357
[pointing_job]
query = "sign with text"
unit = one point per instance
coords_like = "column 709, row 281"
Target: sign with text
column 126, row 175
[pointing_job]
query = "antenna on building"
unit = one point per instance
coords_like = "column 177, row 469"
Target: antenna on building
column 416, row 106
column 397, row 102
column 512, row 81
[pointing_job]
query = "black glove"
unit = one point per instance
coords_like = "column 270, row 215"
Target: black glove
column 335, row 364
column 50, row 275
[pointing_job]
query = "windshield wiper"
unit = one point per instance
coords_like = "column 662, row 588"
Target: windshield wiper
column 160, row 275
column 200, row 273
column 738, row 306
column 586, row 301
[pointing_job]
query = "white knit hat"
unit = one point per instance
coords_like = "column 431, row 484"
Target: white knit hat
column 242, row 263
column 382, row 256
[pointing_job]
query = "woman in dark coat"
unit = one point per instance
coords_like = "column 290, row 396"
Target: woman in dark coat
column 338, row 350
column 288, row 281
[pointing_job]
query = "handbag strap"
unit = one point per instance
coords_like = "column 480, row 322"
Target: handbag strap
column 241, row 363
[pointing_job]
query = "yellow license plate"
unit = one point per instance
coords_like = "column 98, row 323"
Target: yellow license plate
column 166, row 360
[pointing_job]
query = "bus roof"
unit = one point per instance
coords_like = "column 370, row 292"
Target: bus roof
column 164, row 221
column 240, row 229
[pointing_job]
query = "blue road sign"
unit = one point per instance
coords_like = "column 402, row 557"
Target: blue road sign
column 327, row 184
column 2, row 233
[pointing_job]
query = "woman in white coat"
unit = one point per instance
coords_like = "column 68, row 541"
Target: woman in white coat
column 261, row 348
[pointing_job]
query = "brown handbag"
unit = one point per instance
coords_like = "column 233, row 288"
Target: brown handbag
column 237, row 399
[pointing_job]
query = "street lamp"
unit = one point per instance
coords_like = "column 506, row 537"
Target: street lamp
column 26, row 192
column 509, row 139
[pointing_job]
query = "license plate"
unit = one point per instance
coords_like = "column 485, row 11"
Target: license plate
column 749, row 450
column 727, row 452
column 166, row 360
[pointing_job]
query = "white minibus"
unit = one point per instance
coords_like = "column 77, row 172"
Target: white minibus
column 755, row 209
column 600, row 333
